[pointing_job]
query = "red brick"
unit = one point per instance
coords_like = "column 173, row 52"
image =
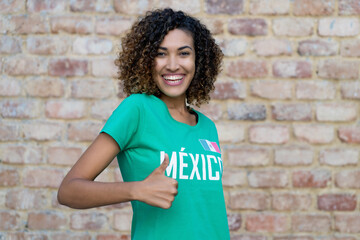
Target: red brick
column 25, row 199
column 92, row 88
column 42, row 177
column 292, row 156
column 248, row 156
column 19, row 108
column 315, row 178
column 230, row 132
column 313, row 8
column 63, row 155
column 268, row 178
column 104, row 67
column 335, row 69
column 292, row 69
column 28, row 24
column 293, row 27
column 245, row 111
column 230, row 7
column 122, row 220
column 42, row 131
column 340, row 27
column 52, row 6
column 229, row 90
column 9, row 87
column 112, row 237
column 292, row 237
column 9, row 177
column 9, row 220
column 27, row 235
column 132, row 7
column 348, row 179
column 232, row 47
column 234, row 220
column 273, row 134
column 336, row 112
column 91, row 6
column 311, row 223
column 246, row 200
column 72, row 236
column 350, row 90
column 272, row 47
column 65, row 109
column 269, row 7
column 349, row 134
column 248, row 237
column 248, row 26
column 20, row 154
column 315, row 90
column 12, row 6
column 270, row 89
column 291, row 111
column 92, row 45
column 44, row 87
column 212, row 110
column 314, row 133
column 349, row 7
column 47, row 45
column 48, row 220
column 266, row 222
column 88, row 221
column 22, row 65
column 337, row 202
column 215, row 25
column 68, row 67
column 86, row 131
column 318, row 47
column 113, row 25
column 103, row 109
column 71, row 24
column 349, row 223
column 246, row 69
column 234, row 177
column 339, row 157
column 350, row 48
column 191, row 7
column 291, row 202
column 9, row 45
column 9, row 132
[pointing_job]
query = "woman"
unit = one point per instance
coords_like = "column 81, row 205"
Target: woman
column 168, row 153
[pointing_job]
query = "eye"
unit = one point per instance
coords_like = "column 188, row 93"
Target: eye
column 185, row 53
column 160, row 54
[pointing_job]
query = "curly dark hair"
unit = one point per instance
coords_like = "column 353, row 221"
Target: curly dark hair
column 140, row 46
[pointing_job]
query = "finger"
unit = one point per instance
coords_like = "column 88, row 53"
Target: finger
column 164, row 164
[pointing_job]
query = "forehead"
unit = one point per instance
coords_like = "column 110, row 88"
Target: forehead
column 176, row 38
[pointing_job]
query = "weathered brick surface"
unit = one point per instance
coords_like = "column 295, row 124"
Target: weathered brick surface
column 286, row 107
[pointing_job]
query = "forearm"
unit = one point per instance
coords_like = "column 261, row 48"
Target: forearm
column 81, row 193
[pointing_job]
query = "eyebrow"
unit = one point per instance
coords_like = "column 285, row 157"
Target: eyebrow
column 180, row 48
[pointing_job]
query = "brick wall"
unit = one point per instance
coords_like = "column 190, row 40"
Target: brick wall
column 286, row 107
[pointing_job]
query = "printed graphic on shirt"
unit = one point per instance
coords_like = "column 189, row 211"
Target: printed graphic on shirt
column 191, row 166
column 209, row 146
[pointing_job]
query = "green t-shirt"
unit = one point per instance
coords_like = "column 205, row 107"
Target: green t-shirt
column 145, row 131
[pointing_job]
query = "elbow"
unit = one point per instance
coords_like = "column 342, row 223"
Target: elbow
column 61, row 195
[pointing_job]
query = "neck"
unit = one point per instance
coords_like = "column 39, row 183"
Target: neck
column 177, row 103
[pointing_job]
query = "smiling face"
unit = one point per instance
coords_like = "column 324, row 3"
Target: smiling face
column 174, row 65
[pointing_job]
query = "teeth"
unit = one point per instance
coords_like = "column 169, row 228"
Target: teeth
column 173, row 78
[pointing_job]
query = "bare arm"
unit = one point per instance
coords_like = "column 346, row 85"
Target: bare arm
column 78, row 189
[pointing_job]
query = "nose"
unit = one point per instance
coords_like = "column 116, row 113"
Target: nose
column 172, row 63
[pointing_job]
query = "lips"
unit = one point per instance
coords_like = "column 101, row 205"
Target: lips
column 173, row 79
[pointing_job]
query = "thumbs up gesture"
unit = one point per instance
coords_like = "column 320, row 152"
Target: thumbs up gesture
column 157, row 189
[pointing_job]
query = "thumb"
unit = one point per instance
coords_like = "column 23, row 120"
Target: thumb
column 164, row 164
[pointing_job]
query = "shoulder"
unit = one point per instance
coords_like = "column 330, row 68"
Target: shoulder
column 135, row 100
column 204, row 118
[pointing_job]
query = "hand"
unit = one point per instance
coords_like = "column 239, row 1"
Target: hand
column 157, row 189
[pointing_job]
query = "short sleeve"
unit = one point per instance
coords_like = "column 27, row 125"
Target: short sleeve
column 123, row 124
